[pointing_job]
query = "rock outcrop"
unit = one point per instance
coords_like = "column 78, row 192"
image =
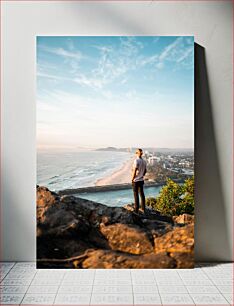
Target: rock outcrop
column 77, row 233
column 184, row 219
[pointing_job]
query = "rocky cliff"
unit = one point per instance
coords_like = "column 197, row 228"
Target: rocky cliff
column 77, row 233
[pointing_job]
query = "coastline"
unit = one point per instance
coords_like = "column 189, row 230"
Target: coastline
column 120, row 176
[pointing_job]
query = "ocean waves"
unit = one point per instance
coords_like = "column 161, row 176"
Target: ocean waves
column 60, row 171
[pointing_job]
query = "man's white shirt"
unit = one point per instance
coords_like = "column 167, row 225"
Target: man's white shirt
column 140, row 165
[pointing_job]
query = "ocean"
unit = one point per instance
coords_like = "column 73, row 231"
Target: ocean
column 66, row 170
column 117, row 197
column 70, row 170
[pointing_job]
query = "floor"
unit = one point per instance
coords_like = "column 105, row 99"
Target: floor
column 207, row 284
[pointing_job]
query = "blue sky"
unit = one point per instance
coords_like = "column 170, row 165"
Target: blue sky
column 128, row 91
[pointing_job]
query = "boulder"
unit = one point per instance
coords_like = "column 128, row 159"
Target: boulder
column 179, row 240
column 45, row 199
column 127, row 238
column 102, row 259
column 184, row 219
column 184, row 260
column 78, row 233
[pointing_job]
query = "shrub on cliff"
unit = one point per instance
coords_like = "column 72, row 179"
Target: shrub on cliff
column 174, row 199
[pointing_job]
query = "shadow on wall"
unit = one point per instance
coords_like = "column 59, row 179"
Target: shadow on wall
column 211, row 229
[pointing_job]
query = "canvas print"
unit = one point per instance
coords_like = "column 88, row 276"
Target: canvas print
column 115, row 152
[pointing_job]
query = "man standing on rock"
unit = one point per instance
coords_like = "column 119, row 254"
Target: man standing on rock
column 138, row 172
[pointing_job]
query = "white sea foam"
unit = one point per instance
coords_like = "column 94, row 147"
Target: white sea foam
column 62, row 170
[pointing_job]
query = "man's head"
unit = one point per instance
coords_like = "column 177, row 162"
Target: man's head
column 139, row 152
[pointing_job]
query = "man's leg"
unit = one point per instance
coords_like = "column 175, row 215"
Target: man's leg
column 136, row 196
column 142, row 195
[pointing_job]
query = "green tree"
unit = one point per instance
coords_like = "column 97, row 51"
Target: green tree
column 174, row 199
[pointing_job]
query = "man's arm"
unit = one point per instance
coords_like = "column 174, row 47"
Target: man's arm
column 134, row 173
column 134, row 169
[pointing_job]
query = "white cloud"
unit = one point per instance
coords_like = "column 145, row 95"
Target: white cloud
column 65, row 53
column 160, row 65
column 177, row 52
column 130, row 46
column 90, row 82
column 148, row 60
column 169, row 51
column 71, row 57
column 52, row 76
column 187, row 52
column 113, row 63
column 103, row 49
column 62, row 52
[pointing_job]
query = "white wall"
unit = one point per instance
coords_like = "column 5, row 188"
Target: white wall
column 211, row 24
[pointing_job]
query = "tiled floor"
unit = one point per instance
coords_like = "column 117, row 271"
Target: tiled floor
column 207, row 284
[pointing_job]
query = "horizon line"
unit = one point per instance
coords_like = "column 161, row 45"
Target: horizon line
column 106, row 147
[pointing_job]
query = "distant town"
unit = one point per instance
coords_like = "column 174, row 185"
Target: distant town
column 175, row 165
column 164, row 163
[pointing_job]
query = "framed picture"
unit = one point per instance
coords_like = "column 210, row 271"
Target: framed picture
column 115, row 152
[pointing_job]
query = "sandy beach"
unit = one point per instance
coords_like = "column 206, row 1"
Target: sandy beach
column 120, row 176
